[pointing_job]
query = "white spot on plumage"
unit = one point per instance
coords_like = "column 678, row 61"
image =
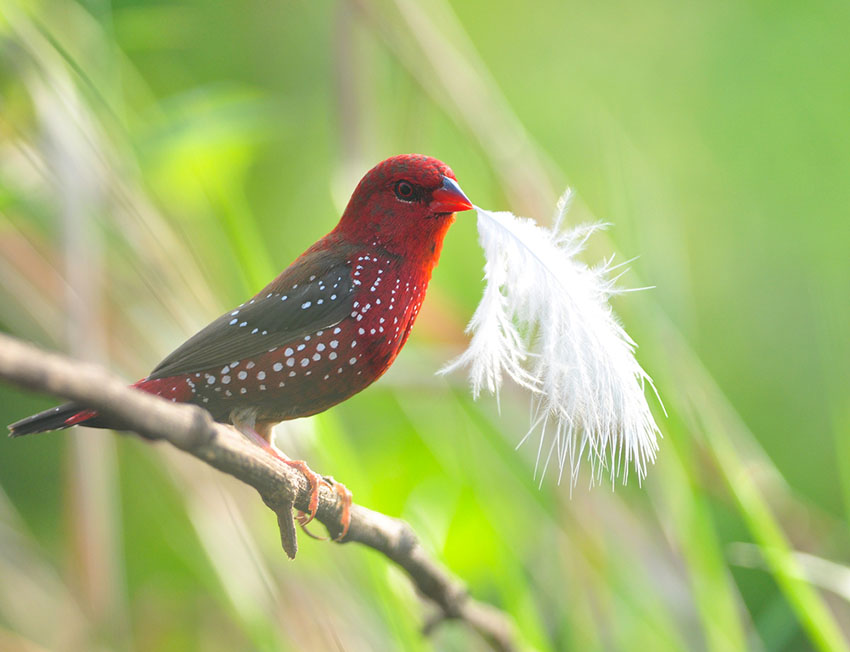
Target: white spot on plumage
column 334, row 344
column 242, row 375
column 288, row 351
column 306, row 305
column 225, row 380
column 261, row 375
column 305, row 362
column 233, row 321
column 290, row 362
column 300, row 347
column 332, row 355
column 352, row 360
column 277, row 366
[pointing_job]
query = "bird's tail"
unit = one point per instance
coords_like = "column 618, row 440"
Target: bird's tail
column 73, row 414
column 63, row 416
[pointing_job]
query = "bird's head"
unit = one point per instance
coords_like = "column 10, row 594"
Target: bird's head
column 404, row 204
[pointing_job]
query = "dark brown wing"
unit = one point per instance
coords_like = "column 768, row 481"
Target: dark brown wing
column 314, row 293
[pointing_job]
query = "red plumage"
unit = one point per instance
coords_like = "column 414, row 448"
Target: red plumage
column 328, row 326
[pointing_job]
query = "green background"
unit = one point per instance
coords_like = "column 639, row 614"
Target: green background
column 159, row 162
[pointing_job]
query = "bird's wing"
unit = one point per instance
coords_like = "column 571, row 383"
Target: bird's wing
column 315, row 292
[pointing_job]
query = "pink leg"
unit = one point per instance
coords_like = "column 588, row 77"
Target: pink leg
column 247, row 427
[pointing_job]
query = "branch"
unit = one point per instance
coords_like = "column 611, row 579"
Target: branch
column 281, row 487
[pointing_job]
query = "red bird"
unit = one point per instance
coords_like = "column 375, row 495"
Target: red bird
column 327, row 327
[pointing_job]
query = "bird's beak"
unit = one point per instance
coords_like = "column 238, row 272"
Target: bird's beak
column 449, row 198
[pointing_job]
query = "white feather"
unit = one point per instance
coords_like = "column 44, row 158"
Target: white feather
column 545, row 322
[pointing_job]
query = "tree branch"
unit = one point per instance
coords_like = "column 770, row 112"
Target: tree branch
column 281, row 487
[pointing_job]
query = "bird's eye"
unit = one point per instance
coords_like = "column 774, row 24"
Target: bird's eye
column 404, row 190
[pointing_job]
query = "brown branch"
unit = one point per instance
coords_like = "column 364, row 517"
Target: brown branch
column 281, row 487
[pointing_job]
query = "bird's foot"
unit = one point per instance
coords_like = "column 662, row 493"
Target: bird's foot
column 312, row 477
column 345, row 511
column 315, row 480
column 345, row 514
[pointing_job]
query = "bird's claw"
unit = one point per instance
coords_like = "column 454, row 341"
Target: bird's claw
column 314, row 479
column 345, row 515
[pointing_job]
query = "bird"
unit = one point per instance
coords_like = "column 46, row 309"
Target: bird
column 324, row 329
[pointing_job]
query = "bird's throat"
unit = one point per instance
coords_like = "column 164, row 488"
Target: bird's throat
column 422, row 249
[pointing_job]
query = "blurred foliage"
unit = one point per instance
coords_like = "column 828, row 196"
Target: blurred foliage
column 159, row 162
